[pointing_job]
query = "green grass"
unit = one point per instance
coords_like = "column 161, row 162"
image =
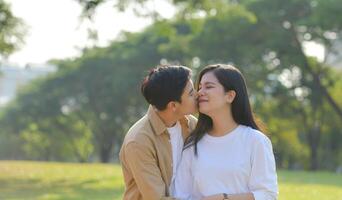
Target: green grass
column 42, row 180
column 309, row 185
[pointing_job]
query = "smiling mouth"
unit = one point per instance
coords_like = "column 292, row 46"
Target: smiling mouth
column 202, row 101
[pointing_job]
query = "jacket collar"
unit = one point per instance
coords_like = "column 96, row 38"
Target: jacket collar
column 158, row 125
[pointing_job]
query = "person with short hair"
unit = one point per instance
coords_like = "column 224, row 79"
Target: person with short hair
column 152, row 147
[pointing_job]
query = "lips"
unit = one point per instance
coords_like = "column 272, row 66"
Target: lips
column 202, row 100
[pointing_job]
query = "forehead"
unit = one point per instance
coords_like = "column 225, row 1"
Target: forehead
column 208, row 77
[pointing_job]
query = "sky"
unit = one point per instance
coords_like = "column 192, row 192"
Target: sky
column 55, row 30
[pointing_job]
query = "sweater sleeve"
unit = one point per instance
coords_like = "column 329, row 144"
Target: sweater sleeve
column 263, row 177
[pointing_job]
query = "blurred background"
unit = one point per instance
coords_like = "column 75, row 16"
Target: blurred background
column 70, row 72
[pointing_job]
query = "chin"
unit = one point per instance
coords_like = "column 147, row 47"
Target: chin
column 203, row 110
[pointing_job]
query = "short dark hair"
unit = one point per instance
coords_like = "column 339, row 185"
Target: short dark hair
column 164, row 84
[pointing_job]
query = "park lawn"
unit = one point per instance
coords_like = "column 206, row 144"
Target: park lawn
column 48, row 180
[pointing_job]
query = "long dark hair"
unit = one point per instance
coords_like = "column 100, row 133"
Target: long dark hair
column 231, row 79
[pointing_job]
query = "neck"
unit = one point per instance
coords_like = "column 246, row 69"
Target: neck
column 223, row 122
column 168, row 118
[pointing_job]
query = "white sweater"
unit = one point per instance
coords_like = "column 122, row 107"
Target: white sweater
column 241, row 161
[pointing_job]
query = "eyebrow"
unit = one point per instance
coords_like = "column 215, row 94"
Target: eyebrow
column 208, row 83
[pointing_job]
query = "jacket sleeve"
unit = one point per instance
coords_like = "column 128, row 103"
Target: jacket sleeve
column 144, row 168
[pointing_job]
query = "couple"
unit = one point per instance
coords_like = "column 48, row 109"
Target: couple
column 168, row 154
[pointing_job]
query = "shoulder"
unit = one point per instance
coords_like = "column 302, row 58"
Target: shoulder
column 254, row 136
column 139, row 133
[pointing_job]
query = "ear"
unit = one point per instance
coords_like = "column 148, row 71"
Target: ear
column 230, row 96
column 172, row 106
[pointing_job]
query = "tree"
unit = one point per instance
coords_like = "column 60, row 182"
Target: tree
column 98, row 92
column 296, row 20
column 12, row 30
column 276, row 31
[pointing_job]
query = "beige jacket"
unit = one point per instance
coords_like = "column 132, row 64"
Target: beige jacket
column 146, row 157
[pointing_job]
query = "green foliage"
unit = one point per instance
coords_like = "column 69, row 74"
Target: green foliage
column 83, row 111
column 12, row 30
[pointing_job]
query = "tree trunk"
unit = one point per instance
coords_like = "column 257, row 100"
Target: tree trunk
column 316, row 77
column 106, row 148
column 314, row 140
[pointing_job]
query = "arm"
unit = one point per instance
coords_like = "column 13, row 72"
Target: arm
column 263, row 178
column 144, row 168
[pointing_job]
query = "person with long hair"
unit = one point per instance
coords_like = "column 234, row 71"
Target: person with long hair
column 226, row 156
